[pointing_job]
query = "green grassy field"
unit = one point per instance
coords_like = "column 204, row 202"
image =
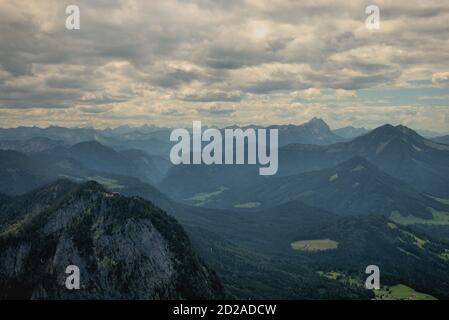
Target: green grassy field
column 392, row 226
column 332, row 275
column 314, row 245
column 338, row 276
column 445, row 255
column 439, row 218
column 205, row 196
column 400, row 292
column 247, row 205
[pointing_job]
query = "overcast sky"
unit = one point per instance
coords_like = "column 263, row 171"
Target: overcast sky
column 224, row 62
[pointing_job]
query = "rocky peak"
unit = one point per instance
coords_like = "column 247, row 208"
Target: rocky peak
column 125, row 248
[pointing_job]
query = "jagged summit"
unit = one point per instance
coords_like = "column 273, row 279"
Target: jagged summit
column 391, row 140
column 389, row 130
column 317, row 122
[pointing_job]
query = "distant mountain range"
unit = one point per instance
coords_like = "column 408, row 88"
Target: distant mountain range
column 131, row 162
column 350, row 132
column 23, row 172
column 336, row 205
column 151, row 139
column 316, row 131
column 154, row 140
column 429, row 133
column 31, row 145
column 354, row 187
column 442, row 139
column 398, row 151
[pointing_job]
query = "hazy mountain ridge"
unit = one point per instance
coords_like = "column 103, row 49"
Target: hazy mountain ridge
column 85, row 161
column 354, row 187
column 398, row 151
column 20, row 173
column 441, row 139
column 350, row 132
column 31, row 145
column 152, row 139
column 135, row 163
column 250, row 245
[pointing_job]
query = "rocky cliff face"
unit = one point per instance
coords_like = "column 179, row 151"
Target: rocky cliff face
column 125, row 248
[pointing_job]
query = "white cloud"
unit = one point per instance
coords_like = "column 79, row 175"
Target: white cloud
column 162, row 61
column 441, row 78
column 341, row 93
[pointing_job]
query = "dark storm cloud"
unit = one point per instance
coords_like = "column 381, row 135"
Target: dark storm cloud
column 176, row 78
column 269, row 86
column 31, row 97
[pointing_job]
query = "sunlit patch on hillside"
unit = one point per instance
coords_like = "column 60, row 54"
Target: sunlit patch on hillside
column 314, row 245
